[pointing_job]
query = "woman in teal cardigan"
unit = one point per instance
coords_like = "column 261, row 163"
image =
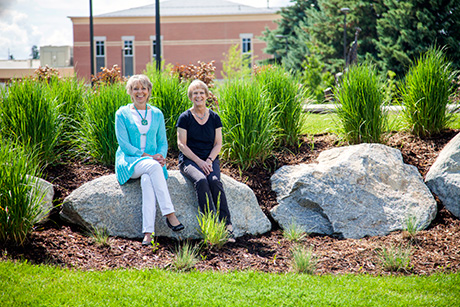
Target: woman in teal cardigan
column 141, row 135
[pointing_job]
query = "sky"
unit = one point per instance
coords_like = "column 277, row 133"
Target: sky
column 24, row 23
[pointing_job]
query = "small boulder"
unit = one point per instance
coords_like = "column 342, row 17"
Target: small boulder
column 103, row 203
column 353, row 192
column 443, row 178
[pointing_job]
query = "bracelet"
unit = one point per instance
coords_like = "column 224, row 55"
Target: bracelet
column 210, row 159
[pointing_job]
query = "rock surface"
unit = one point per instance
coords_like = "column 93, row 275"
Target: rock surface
column 47, row 202
column 103, row 203
column 443, row 178
column 353, row 191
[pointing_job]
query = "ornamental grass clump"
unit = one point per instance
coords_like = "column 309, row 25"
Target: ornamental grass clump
column 30, row 115
column 250, row 130
column 395, row 258
column 426, row 91
column 303, row 260
column 294, row 232
column 20, row 196
column 97, row 138
column 169, row 94
column 361, row 116
column 285, row 95
column 186, row 257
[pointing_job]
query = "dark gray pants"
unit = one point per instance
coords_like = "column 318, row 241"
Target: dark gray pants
column 208, row 188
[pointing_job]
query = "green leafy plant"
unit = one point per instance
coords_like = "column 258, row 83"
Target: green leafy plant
column 249, row 120
column 395, row 258
column 235, row 65
column 303, row 260
column 186, row 257
column 285, row 95
column 426, row 91
column 20, row 196
column 30, row 115
column 294, row 232
column 361, row 114
column 97, row 137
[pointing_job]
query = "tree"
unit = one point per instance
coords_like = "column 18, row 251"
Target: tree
column 35, row 53
column 409, row 28
column 290, row 47
column 326, row 27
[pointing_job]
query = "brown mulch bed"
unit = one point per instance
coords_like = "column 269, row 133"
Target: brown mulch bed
column 436, row 249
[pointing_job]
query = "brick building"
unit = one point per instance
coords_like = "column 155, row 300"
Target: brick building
column 191, row 31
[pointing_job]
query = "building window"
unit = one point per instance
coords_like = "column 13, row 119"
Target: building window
column 128, row 56
column 153, row 39
column 100, row 53
column 246, row 48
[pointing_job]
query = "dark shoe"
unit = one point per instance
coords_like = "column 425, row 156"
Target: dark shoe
column 175, row 228
column 146, row 243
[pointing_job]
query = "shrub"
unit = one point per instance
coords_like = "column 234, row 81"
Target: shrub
column 169, row 94
column 30, row 114
column 426, row 91
column 236, row 65
column 249, row 123
column 361, row 114
column 303, row 260
column 97, row 137
column 20, row 197
column 286, row 96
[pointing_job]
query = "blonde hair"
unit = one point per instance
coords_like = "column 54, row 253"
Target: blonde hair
column 138, row 79
column 197, row 84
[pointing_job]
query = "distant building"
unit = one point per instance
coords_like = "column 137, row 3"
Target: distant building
column 59, row 57
column 191, row 31
column 56, row 56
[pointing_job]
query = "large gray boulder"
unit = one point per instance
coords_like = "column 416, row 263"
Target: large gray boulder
column 443, row 178
column 103, row 203
column 46, row 192
column 354, row 191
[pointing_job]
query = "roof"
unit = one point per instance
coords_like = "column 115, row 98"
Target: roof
column 192, row 8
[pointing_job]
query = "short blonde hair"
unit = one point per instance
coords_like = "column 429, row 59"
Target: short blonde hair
column 138, row 79
column 197, row 84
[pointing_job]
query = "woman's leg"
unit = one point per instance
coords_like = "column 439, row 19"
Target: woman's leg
column 153, row 185
column 193, row 172
column 218, row 193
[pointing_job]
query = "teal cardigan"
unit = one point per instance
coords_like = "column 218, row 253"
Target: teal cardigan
column 129, row 141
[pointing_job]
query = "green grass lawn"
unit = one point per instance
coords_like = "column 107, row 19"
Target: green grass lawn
column 23, row 284
column 327, row 123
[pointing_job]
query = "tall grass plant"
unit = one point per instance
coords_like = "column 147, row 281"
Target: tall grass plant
column 362, row 118
column 97, row 137
column 425, row 93
column 20, row 195
column 30, row 115
column 169, row 94
column 285, row 95
column 250, row 130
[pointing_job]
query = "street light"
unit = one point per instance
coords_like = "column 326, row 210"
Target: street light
column 345, row 11
column 285, row 41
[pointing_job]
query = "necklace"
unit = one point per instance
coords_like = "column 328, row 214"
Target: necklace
column 200, row 117
column 144, row 121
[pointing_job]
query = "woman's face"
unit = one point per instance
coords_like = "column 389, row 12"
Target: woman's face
column 199, row 96
column 140, row 94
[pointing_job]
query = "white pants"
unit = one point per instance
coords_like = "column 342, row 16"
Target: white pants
column 153, row 185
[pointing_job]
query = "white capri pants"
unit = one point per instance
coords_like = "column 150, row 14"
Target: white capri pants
column 153, row 185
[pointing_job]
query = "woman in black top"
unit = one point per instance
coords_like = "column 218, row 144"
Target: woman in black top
column 199, row 138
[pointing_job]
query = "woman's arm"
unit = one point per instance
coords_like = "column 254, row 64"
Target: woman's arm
column 206, row 166
column 217, row 145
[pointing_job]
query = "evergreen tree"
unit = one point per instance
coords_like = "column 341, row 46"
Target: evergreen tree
column 409, row 28
column 290, row 47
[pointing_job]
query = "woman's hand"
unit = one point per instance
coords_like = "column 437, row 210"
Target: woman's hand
column 157, row 157
column 206, row 166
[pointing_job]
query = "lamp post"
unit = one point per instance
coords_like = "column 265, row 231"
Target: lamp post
column 158, row 35
column 285, row 41
column 91, row 37
column 345, row 11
